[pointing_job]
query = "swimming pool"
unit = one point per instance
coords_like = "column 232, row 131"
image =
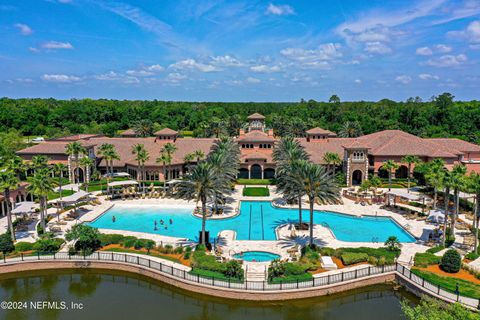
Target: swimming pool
column 256, row 256
column 257, row 221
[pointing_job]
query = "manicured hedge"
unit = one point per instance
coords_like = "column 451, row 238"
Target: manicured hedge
column 349, row 258
column 255, row 181
column 256, row 192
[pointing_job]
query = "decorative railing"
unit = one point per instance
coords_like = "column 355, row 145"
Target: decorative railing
column 186, row 276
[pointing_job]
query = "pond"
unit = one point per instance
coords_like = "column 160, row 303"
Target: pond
column 117, row 295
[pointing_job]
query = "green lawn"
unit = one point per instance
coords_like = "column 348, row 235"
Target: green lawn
column 255, row 181
column 292, row 278
column 54, row 195
column 143, row 253
column 213, row 274
column 466, row 288
column 256, row 192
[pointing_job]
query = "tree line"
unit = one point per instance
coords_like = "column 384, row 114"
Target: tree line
column 442, row 116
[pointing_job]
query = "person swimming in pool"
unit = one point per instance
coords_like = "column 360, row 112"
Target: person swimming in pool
column 114, row 219
column 166, row 228
column 171, row 221
column 155, row 223
column 161, row 222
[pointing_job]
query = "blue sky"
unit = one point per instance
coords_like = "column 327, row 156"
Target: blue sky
column 239, row 50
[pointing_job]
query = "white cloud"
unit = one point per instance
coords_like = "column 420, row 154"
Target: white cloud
column 175, row 77
column 192, row 64
column 427, row 76
column 53, row 45
column 263, row 68
column 403, row 79
column 358, row 81
column 155, row 68
column 65, row 1
column 139, row 73
column 447, row 61
column 471, row 33
column 442, row 48
column 23, row 28
column 109, row 76
column 327, row 51
column 131, row 80
column 253, row 80
column 424, row 51
column 377, row 48
column 280, row 10
column 62, row 78
column 226, row 61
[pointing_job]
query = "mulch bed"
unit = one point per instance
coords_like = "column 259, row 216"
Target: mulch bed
column 462, row 274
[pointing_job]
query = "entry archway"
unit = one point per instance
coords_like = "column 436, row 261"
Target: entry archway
column 256, row 171
column 269, row 173
column 401, row 172
column 357, row 177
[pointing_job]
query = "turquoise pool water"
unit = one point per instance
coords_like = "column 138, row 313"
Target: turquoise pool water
column 258, row 256
column 257, row 221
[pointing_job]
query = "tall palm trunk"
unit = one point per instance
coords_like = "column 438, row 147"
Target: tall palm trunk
column 409, row 177
column 9, row 214
column 475, row 222
column 204, row 217
column 311, row 199
column 300, row 212
column 43, row 210
column 389, row 184
column 164, row 177
column 447, row 200
column 455, row 211
column 435, row 198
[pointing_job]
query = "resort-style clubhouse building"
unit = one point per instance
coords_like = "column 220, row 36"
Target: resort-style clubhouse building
column 361, row 156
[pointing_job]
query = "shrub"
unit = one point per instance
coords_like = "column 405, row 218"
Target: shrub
column 372, row 260
column 471, row 256
column 106, row 239
column 139, row 244
column 168, row 248
column 23, row 246
column 129, row 241
column 310, row 254
column 451, row 261
column 149, row 245
column 234, row 269
column 188, row 252
column 178, row 250
column 326, row 251
column 6, row 243
column 276, row 269
column 349, row 258
column 86, row 237
column 423, row 260
column 72, row 251
column 381, row 261
column 393, row 244
column 48, row 244
column 294, row 269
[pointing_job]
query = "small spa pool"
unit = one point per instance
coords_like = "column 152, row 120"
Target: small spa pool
column 256, row 256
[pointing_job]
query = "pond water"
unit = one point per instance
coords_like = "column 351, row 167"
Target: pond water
column 117, row 295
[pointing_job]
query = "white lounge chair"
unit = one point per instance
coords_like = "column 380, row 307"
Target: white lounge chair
column 327, row 263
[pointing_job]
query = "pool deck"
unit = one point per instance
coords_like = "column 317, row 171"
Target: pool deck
column 285, row 243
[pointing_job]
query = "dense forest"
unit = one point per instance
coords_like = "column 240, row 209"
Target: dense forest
column 441, row 116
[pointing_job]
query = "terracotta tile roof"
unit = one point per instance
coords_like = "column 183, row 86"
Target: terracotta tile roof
column 257, row 155
column 356, row 144
column 318, row 130
column 256, row 116
column 76, row 137
column 256, row 136
column 317, row 150
column 455, row 144
column 52, row 147
column 166, row 132
column 399, row 143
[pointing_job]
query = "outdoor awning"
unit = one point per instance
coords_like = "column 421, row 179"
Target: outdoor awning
column 73, row 198
column 405, row 194
column 173, row 181
column 122, row 183
column 25, row 207
column 118, row 174
column 437, row 216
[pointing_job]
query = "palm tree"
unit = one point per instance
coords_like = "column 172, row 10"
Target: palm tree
column 447, row 183
column 143, row 156
column 59, row 168
column 199, row 154
column 17, row 165
column 390, row 166
column 474, row 179
column 40, row 185
column 375, row 182
column 189, row 157
column 164, row 159
column 434, row 177
column 317, row 184
column 350, row 129
column 87, row 163
column 39, row 162
column 332, row 160
column 169, row 148
column 458, row 184
column 8, row 182
column 200, row 184
column 139, row 151
column 409, row 160
column 285, row 154
column 109, row 153
column 74, row 150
